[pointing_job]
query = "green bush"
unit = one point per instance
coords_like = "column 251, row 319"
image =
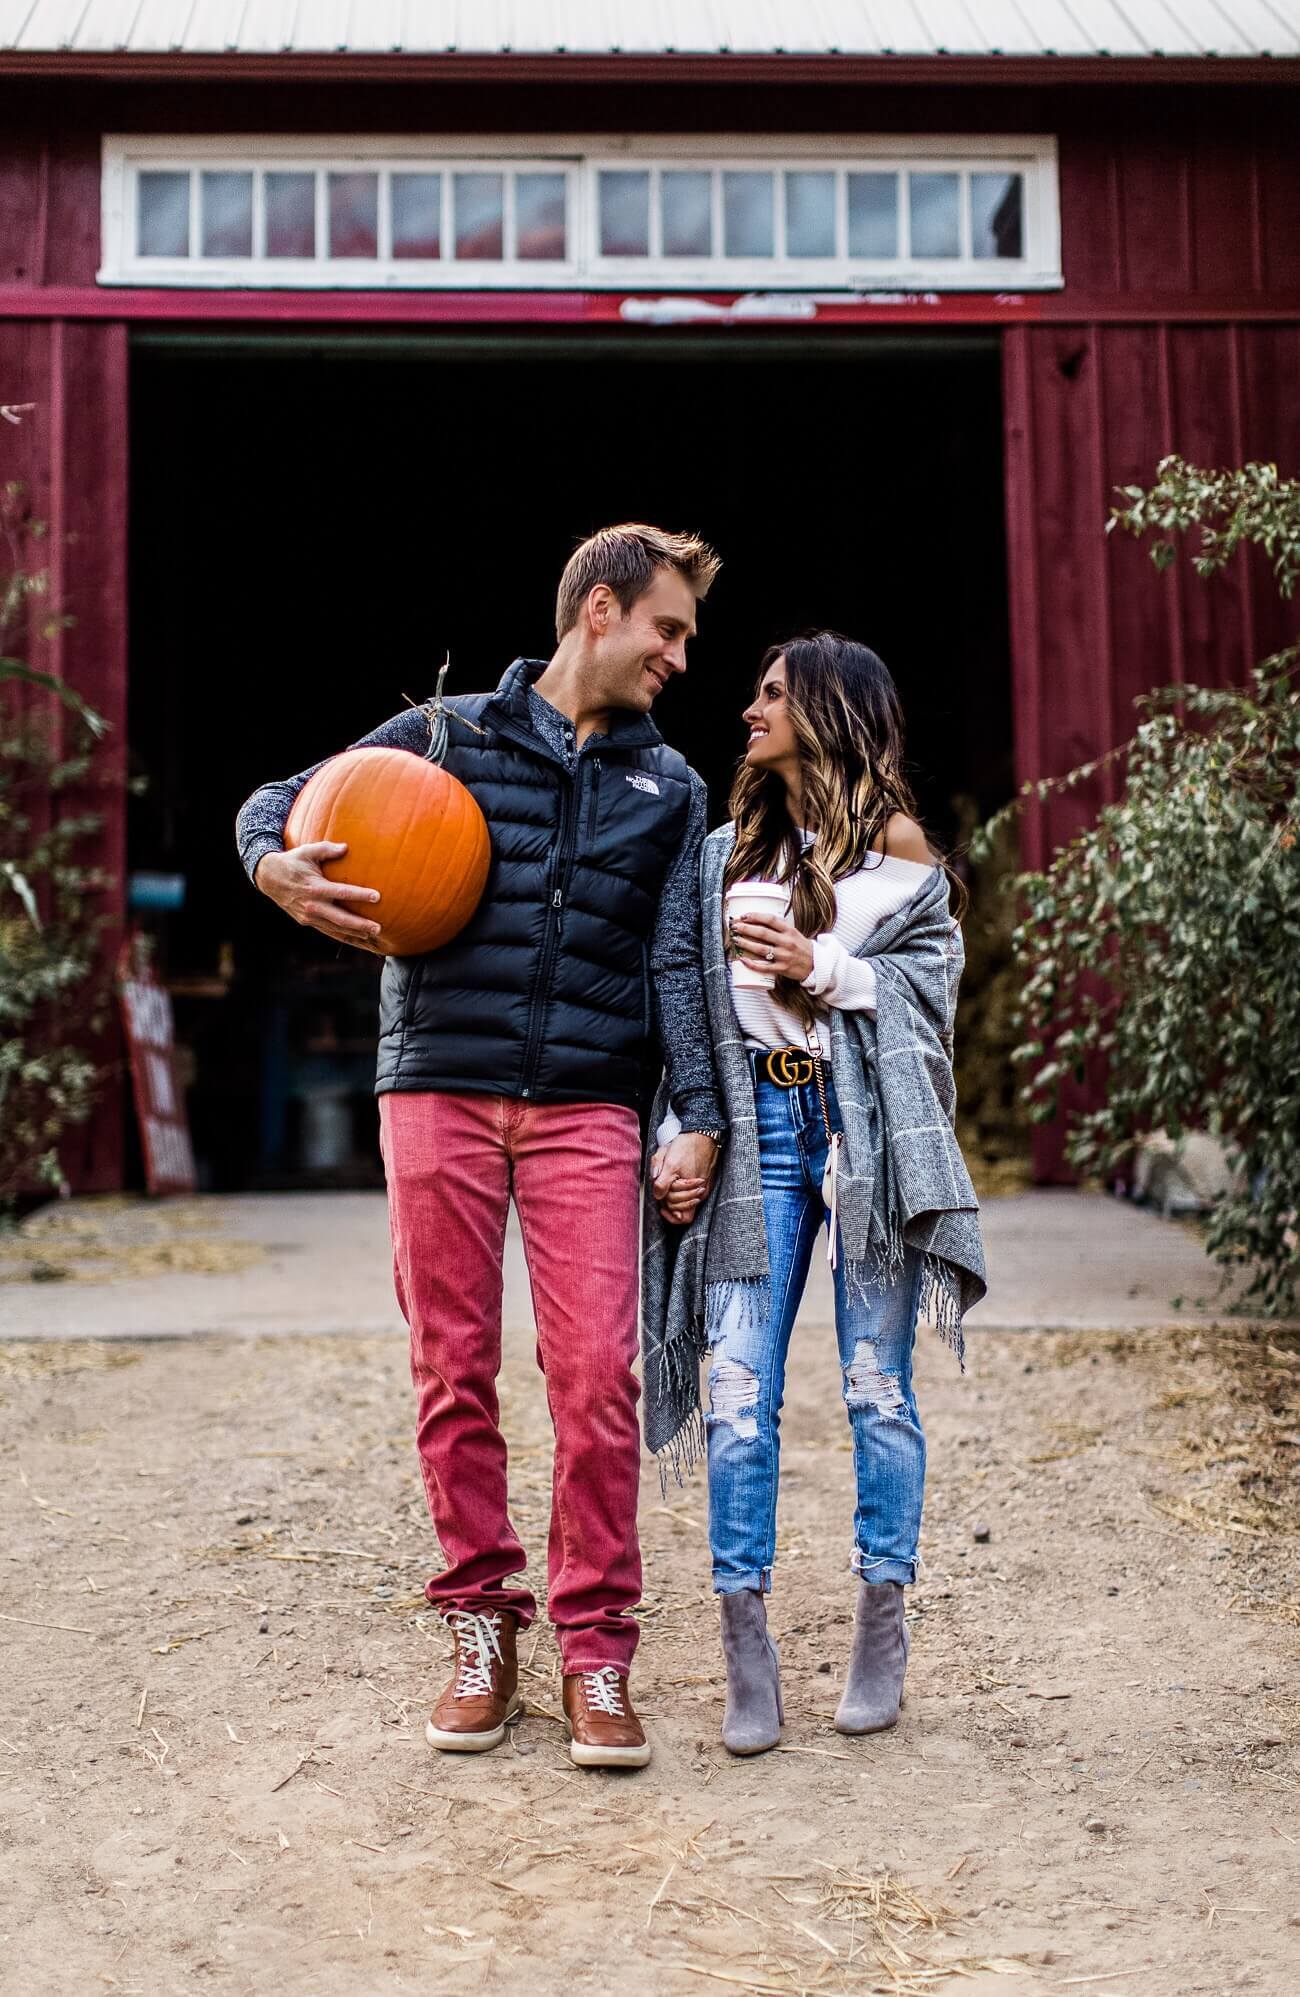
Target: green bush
column 54, row 991
column 1161, row 947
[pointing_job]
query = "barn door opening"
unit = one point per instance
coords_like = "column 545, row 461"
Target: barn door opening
column 316, row 521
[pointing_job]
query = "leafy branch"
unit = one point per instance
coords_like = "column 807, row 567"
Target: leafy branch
column 53, row 985
column 1229, row 508
column 1160, row 948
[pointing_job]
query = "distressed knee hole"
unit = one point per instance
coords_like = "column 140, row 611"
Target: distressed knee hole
column 866, row 1386
column 733, row 1395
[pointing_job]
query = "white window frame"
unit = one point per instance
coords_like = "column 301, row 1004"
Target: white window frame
column 581, row 159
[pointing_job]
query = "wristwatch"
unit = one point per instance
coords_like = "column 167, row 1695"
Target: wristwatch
column 717, row 1136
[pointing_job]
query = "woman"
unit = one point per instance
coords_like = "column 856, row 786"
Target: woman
column 840, row 1099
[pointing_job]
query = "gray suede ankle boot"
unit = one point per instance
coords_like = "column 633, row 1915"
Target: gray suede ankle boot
column 752, row 1720
column 873, row 1689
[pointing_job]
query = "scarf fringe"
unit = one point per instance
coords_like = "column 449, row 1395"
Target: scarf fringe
column 682, row 1452
column 940, row 1295
column 678, row 1395
column 882, row 1266
column 941, row 1303
column 736, row 1304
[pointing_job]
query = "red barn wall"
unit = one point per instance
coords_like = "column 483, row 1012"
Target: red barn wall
column 1178, row 329
column 70, row 454
column 1088, row 408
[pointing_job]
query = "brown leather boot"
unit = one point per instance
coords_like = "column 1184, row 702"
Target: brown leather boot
column 482, row 1696
column 604, row 1731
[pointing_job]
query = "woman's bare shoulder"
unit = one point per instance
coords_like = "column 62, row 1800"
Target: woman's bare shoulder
column 905, row 840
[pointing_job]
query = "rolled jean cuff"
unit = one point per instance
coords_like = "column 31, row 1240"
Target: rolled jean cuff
column 492, row 1601
column 598, row 1646
column 580, row 1655
column 868, row 1568
column 735, row 1584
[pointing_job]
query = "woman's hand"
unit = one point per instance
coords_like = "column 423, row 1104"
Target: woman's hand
column 766, row 943
column 680, row 1176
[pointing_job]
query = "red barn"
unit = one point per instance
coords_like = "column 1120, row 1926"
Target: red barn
column 343, row 321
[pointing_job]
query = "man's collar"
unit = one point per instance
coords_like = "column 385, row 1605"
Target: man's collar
column 626, row 729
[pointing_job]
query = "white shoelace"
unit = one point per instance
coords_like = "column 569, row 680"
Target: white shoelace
column 604, row 1692
column 478, row 1642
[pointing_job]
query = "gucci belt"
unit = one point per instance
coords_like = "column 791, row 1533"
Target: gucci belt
column 788, row 1067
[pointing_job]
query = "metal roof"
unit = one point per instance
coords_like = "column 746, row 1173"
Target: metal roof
column 1086, row 28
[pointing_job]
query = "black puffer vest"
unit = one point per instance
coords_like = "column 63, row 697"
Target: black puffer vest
column 545, row 995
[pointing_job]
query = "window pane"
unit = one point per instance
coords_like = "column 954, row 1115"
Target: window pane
column 164, row 215
column 624, row 214
column 227, row 208
column 291, row 214
column 873, row 214
column 936, row 214
column 354, row 214
column 747, row 214
column 996, row 214
column 539, row 216
column 417, row 214
column 810, row 214
column 686, row 213
column 480, row 199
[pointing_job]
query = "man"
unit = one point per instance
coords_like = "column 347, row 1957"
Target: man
column 511, row 1061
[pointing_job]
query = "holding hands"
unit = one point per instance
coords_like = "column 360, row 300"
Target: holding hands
column 680, row 1175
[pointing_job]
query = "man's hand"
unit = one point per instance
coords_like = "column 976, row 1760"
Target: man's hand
column 297, row 883
column 681, row 1174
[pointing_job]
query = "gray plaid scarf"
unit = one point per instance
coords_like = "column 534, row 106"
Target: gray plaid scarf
column 902, row 1180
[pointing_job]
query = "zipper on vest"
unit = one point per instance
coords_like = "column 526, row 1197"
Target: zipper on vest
column 595, row 797
column 561, row 868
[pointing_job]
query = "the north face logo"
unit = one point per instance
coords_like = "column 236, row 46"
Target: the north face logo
column 640, row 782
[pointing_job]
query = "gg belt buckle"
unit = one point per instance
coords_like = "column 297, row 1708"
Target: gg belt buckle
column 789, row 1067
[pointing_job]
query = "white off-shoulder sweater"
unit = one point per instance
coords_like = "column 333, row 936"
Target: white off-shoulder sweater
column 838, row 977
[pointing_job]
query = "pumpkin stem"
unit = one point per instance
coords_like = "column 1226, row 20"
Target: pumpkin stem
column 437, row 749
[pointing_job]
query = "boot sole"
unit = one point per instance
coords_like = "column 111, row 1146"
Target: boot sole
column 857, row 1733
column 585, row 1756
column 458, row 1743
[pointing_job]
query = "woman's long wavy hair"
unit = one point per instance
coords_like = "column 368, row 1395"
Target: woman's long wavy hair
column 848, row 723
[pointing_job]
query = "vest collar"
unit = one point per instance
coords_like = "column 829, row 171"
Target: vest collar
column 508, row 708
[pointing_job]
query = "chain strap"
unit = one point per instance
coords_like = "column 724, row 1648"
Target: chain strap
column 819, row 1076
column 834, row 1139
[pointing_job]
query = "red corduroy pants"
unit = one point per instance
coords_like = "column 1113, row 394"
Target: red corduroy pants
column 452, row 1164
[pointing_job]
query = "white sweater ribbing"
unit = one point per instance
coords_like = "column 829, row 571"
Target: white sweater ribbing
column 838, row 977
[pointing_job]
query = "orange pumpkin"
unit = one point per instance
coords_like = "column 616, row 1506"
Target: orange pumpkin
column 411, row 830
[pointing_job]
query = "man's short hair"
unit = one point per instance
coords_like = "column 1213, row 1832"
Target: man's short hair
column 627, row 559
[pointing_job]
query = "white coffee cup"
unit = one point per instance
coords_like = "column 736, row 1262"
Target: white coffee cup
column 753, row 898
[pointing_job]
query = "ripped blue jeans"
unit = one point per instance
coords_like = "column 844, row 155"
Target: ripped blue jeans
column 747, row 1374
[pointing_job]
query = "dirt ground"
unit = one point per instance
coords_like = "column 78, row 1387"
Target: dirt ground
column 217, row 1667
